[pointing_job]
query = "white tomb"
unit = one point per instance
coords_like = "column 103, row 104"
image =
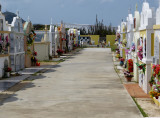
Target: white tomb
column 146, row 33
column 52, row 40
column 129, row 34
column 123, row 32
column 57, row 42
column 136, row 36
column 70, row 39
column 17, row 53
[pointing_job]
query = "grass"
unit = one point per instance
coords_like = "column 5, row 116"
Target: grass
column 140, row 108
column 35, row 74
column 118, row 71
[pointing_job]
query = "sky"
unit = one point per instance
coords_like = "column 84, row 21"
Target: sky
column 74, row 11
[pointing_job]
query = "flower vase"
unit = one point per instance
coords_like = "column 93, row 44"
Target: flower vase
column 121, row 63
column 8, row 74
column 128, row 78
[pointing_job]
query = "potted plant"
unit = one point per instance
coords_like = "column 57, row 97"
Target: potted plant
column 34, row 61
column 128, row 76
column 7, row 72
column 122, row 61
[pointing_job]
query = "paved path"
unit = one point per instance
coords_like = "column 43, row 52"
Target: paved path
column 84, row 86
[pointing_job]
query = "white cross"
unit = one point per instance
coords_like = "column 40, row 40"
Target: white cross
column 51, row 21
column 129, row 10
column 136, row 7
column 28, row 19
column 17, row 13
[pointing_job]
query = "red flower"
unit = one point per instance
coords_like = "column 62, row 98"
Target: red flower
column 154, row 66
column 38, row 64
column 130, row 65
column 8, row 69
column 122, row 59
column 60, row 51
column 35, row 53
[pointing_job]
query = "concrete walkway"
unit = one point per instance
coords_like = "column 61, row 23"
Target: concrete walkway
column 84, row 86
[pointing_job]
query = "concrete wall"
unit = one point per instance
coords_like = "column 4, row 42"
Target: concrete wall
column 111, row 38
column 94, row 38
column 42, row 50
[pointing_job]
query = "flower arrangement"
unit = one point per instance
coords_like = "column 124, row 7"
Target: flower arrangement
column 155, row 82
column 34, row 59
column 140, row 52
column 63, row 39
column 75, row 45
column 8, row 69
column 31, row 37
column 117, row 51
column 156, row 70
column 38, row 64
column 35, row 53
column 142, row 67
column 124, row 42
column 130, row 65
column 118, row 56
column 122, row 59
column 4, row 44
column 154, row 94
column 127, row 73
column 152, row 81
column 118, row 36
column 127, row 51
column 60, row 52
column 133, row 47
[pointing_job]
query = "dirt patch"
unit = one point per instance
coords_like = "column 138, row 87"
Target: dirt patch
column 135, row 91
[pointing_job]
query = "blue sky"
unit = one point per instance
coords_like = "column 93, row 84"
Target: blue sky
column 74, row 11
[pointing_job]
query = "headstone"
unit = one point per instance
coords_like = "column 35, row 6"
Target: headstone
column 17, row 44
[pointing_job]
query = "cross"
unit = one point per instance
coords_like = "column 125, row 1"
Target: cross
column 136, row 7
column 17, row 13
column 28, row 19
column 51, row 21
column 129, row 10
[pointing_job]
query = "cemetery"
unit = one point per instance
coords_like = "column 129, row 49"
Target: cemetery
column 134, row 48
